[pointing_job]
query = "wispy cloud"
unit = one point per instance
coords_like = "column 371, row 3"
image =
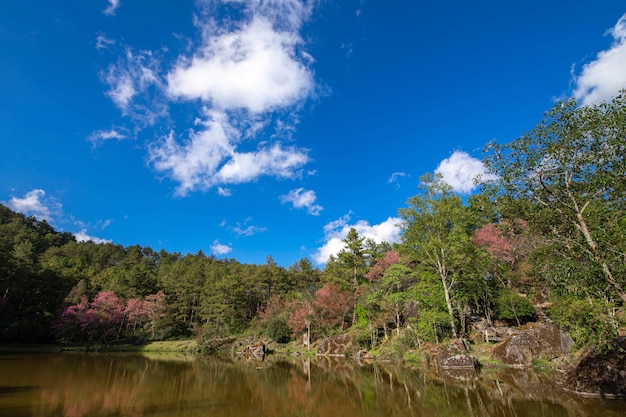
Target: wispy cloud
column 396, row 177
column 334, row 233
column 301, row 198
column 102, row 42
column 602, row 78
column 460, row 171
column 220, row 249
column 112, row 7
column 35, row 203
column 244, row 228
column 135, row 86
column 100, row 136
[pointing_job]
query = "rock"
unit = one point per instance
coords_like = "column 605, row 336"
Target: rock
column 335, row 346
column 255, row 351
column 545, row 341
column 599, row 373
column 454, row 355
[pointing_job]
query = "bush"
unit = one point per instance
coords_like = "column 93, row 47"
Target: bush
column 589, row 321
column 512, row 306
column 279, row 330
column 432, row 325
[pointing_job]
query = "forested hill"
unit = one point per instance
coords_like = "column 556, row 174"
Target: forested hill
column 545, row 239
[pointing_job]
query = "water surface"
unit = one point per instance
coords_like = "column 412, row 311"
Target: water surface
column 94, row 385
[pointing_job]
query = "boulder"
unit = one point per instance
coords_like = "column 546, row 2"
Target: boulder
column 255, row 351
column 453, row 355
column 544, row 341
column 599, row 373
column 335, row 346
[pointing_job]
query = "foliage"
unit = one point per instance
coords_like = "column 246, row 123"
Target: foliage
column 512, row 306
column 278, row 329
column 573, row 167
column 436, row 234
column 589, row 321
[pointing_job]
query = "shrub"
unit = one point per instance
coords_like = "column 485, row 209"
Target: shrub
column 279, row 330
column 512, row 306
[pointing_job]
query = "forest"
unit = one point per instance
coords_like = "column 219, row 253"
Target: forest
column 544, row 237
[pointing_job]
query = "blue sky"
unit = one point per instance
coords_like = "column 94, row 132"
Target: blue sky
column 248, row 128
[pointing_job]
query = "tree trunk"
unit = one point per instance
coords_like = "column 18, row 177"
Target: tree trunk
column 582, row 226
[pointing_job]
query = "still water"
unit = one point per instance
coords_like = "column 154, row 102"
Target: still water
column 94, row 385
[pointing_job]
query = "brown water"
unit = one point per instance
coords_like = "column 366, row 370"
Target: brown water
column 93, row 385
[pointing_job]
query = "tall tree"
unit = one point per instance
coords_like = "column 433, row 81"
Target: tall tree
column 436, row 234
column 573, row 166
column 353, row 258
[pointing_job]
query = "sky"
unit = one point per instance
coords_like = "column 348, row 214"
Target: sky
column 249, row 128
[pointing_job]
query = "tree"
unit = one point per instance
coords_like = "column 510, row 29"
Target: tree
column 573, row 167
column 393, row 293
column 436, row 234
column 352, row 256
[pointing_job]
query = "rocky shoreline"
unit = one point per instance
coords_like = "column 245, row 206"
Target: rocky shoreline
column 597, row 373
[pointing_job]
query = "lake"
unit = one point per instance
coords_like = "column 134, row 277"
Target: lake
column 94, row 384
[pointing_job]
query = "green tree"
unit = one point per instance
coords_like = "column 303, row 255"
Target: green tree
column 353, row 258
column 436, row 235
column 573, row 167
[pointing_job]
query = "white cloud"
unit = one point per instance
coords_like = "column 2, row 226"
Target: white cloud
column 255, row 68
column 112, row 7
column 102, row 42
column 248, row 230
column 34, row 203
column 301, row 198
column 100, row 136
column 387, row 231
column 132, row 77
column 219, row 249
column 209, row 158
column 274, row 161
column 248, row 77
column 195, row 163
column 224, row 192
column 604, row 77
column 82, row 236
column 395, row 177
column 460, row 170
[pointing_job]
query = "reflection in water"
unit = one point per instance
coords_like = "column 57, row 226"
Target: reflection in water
column 80, row 385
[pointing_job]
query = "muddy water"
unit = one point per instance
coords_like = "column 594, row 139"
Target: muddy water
column 93, row 385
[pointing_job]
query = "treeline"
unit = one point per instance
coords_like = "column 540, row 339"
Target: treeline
column 544, row 238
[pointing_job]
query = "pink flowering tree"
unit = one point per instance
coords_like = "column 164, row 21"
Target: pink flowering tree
column 104, row 320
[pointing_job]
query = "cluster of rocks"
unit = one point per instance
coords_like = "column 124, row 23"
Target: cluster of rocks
column 537, row 342
column 597, row 373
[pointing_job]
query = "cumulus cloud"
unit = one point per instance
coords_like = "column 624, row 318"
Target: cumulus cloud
column 604, row 77
column 82, row 236
column 219, row 249
column 35, row 203
column 255, row 68
column 301, row 198
column 387, row 231
column 460, row 170
column 248, row 78
column 209, row 158
column 112, row 7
